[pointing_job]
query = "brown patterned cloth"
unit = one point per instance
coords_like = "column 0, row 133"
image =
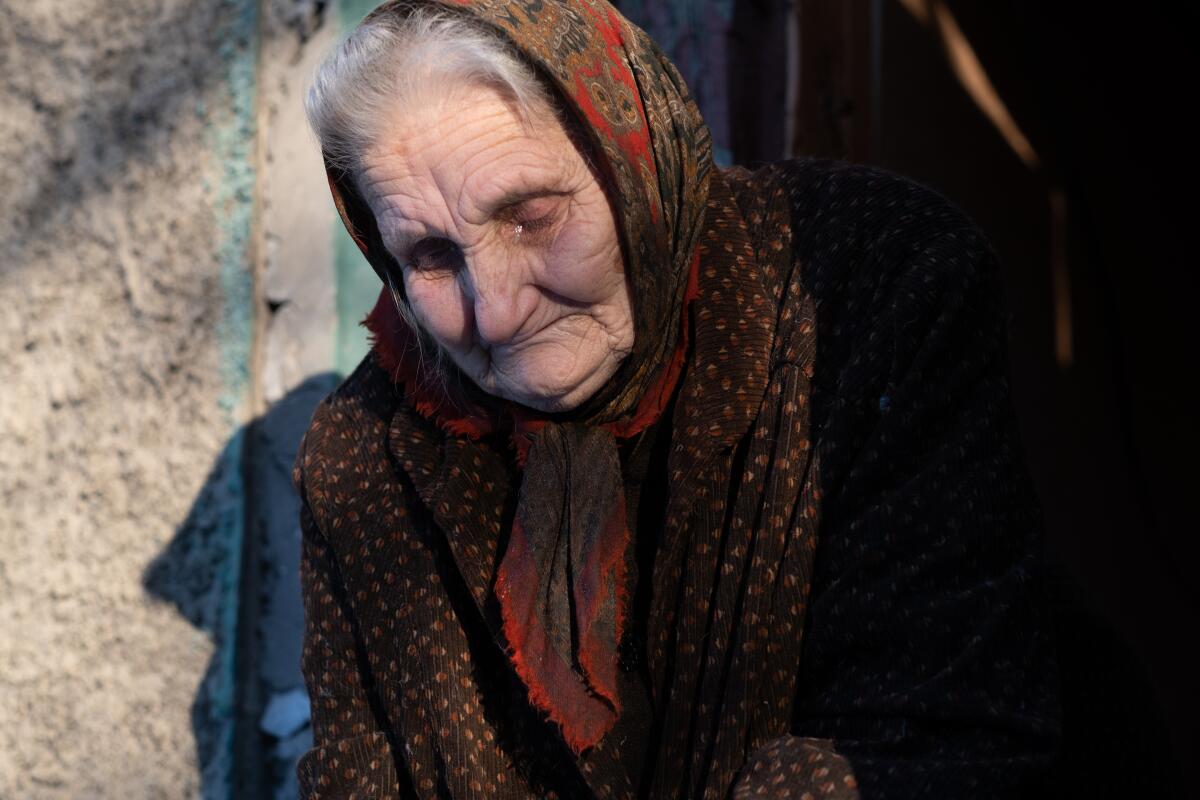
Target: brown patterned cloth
column 834, row 568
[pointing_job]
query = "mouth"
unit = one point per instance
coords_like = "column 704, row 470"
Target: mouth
column 517, row 345
column 544, row 383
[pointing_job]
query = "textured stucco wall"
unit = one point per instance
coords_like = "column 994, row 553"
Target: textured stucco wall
column 126, row 156
column 171, row 318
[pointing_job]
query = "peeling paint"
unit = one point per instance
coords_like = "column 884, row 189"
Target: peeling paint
column 231, row 137
column 232, row 146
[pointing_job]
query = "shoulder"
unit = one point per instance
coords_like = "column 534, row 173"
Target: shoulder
column 856, row 232
column 854, row 245
column 859, row 197
column 347, row 427
column 843, row 213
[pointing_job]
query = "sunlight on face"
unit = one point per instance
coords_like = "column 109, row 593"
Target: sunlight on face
column 508, row 246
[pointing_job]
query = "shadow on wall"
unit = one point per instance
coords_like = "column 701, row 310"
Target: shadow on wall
column 232, row 570
column 140, row 91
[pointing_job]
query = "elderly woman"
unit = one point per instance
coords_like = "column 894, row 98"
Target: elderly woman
column 659, row 480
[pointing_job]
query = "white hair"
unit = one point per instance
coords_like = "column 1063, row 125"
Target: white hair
column 397, row 59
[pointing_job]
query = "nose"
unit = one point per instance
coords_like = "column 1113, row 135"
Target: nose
column 495, row 289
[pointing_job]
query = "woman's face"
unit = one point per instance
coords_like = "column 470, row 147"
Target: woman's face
column 508, row 246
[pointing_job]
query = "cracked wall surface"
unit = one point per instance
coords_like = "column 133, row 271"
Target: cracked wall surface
column 126, row 153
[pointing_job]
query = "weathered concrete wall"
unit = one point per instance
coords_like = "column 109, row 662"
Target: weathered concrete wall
column 126, row 156
column 178, row 294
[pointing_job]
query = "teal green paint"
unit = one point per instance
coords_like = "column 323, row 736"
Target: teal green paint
column 357, row 288
column 350, row 12
column 231, row 141
column 230, row 113
column 355, row 282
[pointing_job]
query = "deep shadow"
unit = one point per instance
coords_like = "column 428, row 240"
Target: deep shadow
column 240, row 543
column 1100, row 93
column 1116, row 742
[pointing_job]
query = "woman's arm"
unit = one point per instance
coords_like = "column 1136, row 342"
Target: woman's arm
column 927, row 659
column 926, row 669
column 351, row 754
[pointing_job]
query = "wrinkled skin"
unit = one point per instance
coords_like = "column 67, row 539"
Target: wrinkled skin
column 508, row 245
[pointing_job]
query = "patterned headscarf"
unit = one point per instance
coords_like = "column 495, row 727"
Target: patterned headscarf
column 561, row 581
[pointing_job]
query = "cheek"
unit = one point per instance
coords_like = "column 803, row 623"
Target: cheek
column 585, row 262
column 439, row 307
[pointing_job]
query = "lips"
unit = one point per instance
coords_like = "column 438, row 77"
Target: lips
column 531, row 383
column 520, row 343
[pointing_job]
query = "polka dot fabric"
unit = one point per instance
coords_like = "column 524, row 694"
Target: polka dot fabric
column 799, row 768
column 836, row 578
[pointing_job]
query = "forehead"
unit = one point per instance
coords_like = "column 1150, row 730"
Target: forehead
column 461, row 151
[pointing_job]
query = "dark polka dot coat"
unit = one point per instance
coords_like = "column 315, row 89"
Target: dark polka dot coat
column 835, row 579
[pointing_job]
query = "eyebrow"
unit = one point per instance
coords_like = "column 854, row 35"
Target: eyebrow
column 403, row 240
column 516, row 197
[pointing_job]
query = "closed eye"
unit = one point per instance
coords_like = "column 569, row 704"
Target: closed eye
column 435, row 255
column 529, row 220
column 532, row 224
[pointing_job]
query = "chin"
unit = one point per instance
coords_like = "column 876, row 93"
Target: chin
column 539, row 387
column 560, row 396
column 551, row 403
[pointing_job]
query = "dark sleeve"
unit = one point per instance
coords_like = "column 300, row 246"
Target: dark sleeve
column 926, row 662
column 351, row 756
